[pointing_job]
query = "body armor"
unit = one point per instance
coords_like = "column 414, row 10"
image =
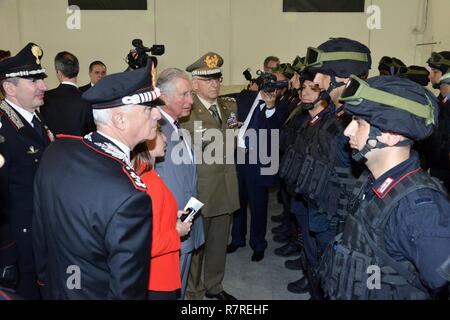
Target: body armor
column 310, row 167
column 347, row 261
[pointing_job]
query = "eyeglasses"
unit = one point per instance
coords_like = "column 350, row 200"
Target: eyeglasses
column 358, row 90
column 316, row 57
column 438, row 59
column 210, row 80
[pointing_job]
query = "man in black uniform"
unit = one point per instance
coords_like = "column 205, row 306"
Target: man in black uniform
column 439, row 64
column 92, row 215
column 396, row 240
column 21, row 78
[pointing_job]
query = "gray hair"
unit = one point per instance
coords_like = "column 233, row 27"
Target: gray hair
column 167, row 77
column 14, row 81
column 103, row 116
column 67, row 63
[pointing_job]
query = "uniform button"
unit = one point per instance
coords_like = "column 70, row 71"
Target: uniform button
column 36, row 160
column 24, row 230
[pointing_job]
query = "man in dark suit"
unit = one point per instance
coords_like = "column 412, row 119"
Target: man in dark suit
column 64, row 110
column 97, row 70
column 93, row 217
column 25, row 138
column 261, row 117
column 178, row 170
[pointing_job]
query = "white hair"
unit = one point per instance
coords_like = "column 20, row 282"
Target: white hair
column 103, row 116
column 167, row 78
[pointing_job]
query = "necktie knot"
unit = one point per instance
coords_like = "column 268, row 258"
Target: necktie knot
column 176, row 124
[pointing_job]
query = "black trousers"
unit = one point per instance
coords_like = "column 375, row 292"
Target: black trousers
column 256, row 196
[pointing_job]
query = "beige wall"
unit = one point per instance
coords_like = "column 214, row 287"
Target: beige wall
column 243, row 32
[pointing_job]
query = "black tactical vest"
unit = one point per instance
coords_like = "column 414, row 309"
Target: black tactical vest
column 348, row 261
column 290, row 128
column 294, row 156
column 310, row 168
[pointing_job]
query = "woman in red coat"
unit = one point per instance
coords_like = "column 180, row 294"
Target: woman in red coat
column 164, row 275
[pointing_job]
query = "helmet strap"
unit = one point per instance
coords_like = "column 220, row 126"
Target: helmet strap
column 374, row 132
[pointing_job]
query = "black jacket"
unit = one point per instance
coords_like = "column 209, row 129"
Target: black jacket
column 85, row 87
column 22, row 150
column 92, row 215
column 66, row 112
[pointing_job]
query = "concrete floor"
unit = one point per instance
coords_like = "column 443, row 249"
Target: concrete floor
column 263, row 280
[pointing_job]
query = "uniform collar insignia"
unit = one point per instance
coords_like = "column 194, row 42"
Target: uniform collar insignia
column 109, row 148
column 115, row 152
column 384, row 186
column 11, row 114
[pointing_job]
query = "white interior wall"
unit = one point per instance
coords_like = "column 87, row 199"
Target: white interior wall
column 243, row 32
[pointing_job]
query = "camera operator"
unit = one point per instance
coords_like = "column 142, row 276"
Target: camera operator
column 257, row 110
column 138, row 57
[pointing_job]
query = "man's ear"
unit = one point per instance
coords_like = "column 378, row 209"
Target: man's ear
column 119, row 120
column 391, row 139
column 9, row 88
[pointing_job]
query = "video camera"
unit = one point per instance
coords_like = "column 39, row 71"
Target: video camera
column 137, row 58
column 265, row 81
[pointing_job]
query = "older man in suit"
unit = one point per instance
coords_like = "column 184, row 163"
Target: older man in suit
column 64, row 110
column 177, row 169
column 26, row 137
column 217, row 179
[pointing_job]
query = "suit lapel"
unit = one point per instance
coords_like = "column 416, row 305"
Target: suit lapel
column 174, row 140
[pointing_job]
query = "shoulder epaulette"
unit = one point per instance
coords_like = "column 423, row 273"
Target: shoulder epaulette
column 11, row 114
column 228, row 99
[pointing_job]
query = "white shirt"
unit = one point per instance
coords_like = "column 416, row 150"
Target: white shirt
column 171, row 121
column 208, row 105
column 24, row 113
column 70, row 83
column 243, row 129
column 121, row 145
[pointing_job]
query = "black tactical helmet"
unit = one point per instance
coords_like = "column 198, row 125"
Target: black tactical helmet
column 417, row 74
column 286, row 69
column 340, row 57
column 390, row 64
column 440, row 61
column 298, row 64
column 406, row 99
column 307, row 75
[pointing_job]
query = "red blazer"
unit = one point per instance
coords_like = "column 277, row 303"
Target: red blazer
column 165, row 248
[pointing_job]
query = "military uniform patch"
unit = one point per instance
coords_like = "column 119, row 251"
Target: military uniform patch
column 11, row 114
column 113, row 151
